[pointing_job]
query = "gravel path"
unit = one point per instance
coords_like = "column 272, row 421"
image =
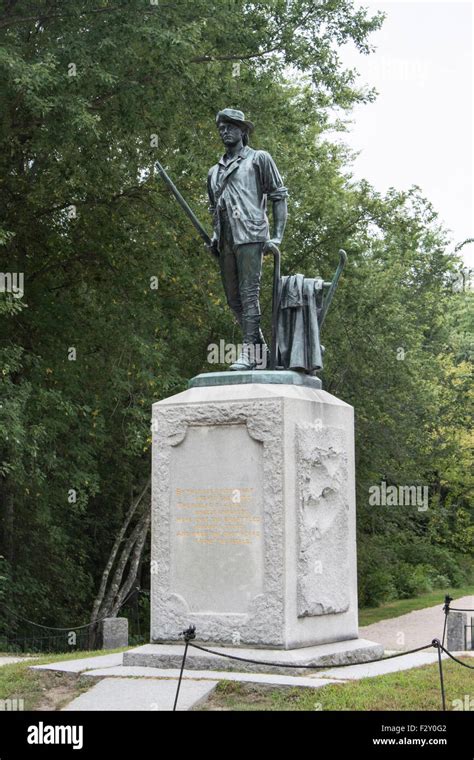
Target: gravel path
column 413, row 629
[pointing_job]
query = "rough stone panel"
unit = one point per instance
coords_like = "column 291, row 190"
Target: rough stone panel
column 323, row 520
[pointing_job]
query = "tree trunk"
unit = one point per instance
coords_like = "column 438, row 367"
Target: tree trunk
column 114, row 551
column 134, row 563
column 100, row 607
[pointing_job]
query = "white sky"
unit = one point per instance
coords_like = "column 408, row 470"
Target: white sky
column 420, row 128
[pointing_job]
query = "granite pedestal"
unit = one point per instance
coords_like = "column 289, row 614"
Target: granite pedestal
column 253, row 529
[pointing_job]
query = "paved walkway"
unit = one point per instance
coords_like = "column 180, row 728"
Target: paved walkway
column 7, row 660
column 413, row 629
column 270, row 679
column 85, row 663
column 142, row 695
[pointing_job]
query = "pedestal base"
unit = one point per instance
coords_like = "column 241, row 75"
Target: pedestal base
column 267, row 376
column 270, row 660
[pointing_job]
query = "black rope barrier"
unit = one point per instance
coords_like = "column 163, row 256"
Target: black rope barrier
column 190, row 634
column 32, row 638
column 71, row 627
column 464, row 664
column 309, row 667
column 460, row 609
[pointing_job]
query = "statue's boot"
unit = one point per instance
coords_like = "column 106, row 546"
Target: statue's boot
column 246, row 360
column 250, row 354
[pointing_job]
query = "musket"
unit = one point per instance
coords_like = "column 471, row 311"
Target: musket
column 332, row 289
column 187, row 210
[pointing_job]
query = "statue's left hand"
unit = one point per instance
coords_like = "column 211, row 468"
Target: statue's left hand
column 271, row 246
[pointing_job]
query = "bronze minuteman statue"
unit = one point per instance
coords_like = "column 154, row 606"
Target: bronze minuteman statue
column 238, row 187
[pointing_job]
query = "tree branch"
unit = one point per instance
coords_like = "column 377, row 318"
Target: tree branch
column 278, row 46
column 134, row 563
column 114, row 590
column 38, row 17
column 114, row 551
column 235, row 57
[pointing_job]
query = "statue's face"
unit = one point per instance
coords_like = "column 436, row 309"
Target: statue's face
column 230, row 133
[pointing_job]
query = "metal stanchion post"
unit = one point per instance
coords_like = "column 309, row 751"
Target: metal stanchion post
column 447, row 602
column 436, row 643
column 189, row 634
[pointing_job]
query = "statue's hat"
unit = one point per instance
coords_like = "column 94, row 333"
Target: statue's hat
column 235, row 116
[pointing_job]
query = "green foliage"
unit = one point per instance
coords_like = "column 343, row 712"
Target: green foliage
column 403, row 566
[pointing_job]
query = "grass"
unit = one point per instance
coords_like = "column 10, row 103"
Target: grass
column 416, row 689
column 369, row 615
column 46, row 689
